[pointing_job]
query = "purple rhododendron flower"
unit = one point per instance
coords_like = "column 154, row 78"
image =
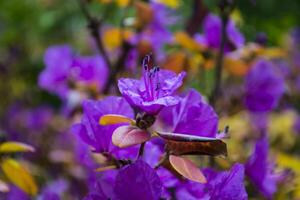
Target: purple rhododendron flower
column 260, row 170
column 264, row 87
column 212, row 34
column 98, row 136
column 137, row 181
column 192, row 116
column 64, row 67
column 154, row 91
column 221, row 185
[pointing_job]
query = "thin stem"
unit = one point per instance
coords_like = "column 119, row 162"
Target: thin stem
column 94, row 26
column 197, row 17
column 120, row 63
column 162, row 160
column 219, row 61
column 141, row 150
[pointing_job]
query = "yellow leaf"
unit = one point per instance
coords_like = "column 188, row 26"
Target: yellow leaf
column 236, row 66
column 175, row 62
column 11, row 147
column 123, row 3
column 288, row 161
column 112, row 37
column 114, row 119
column 19, row 176
column 273, row 52
column 187, row 41
column 102, row 169
column 281, row 129
column 170, row 3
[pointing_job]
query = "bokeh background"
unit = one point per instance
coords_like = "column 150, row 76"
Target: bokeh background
column 38, row 117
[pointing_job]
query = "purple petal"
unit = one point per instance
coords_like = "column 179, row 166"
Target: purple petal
column 264, row 87
column 259, row 169
column 192, row 116
column 138, row 181
column 100, row 136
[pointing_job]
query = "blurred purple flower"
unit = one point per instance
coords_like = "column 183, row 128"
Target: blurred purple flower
column 295, row 46
column 154, row 91
column 16, row 193
column 137, row 181
column 58, row 60
column 212, row 34
column 297, row 125
column 156, row 33
column 264, row 87
column 64, row 67
column 191, row 116
column 54, row 190
column 260, row 170
column 21, row 122
column 98, row 136
column 221, row 185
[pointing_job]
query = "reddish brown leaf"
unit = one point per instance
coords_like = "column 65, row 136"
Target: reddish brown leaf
column 126, row 136
column 187, row 168
column 182, row 144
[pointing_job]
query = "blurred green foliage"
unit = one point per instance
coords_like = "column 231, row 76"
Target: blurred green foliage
column 28, row 27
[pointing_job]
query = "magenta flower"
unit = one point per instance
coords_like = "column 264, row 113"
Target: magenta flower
column 191, row 116
column 154, row 91
column 98, row 136
column 264, row 87
column 212, row 34
column 64, row 67
column 260, row 169
column 137, row 181
column 221, row 185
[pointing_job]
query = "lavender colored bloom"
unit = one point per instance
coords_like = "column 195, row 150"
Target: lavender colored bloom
column 221, row 185
column 264, row 87
column 137, row 181
column 154, row 91
column 191, row 116
column 212, row 34
column 98, row 136
column 64, row 67
column 260, row 170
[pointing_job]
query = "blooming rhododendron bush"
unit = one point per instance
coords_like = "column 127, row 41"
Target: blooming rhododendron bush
column 131, row 99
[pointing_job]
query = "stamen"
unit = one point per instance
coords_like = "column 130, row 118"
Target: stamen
column 151, row 78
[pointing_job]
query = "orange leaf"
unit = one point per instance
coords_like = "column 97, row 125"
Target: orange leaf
column 111, row 119
column 126, row 136
column 187, row 169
